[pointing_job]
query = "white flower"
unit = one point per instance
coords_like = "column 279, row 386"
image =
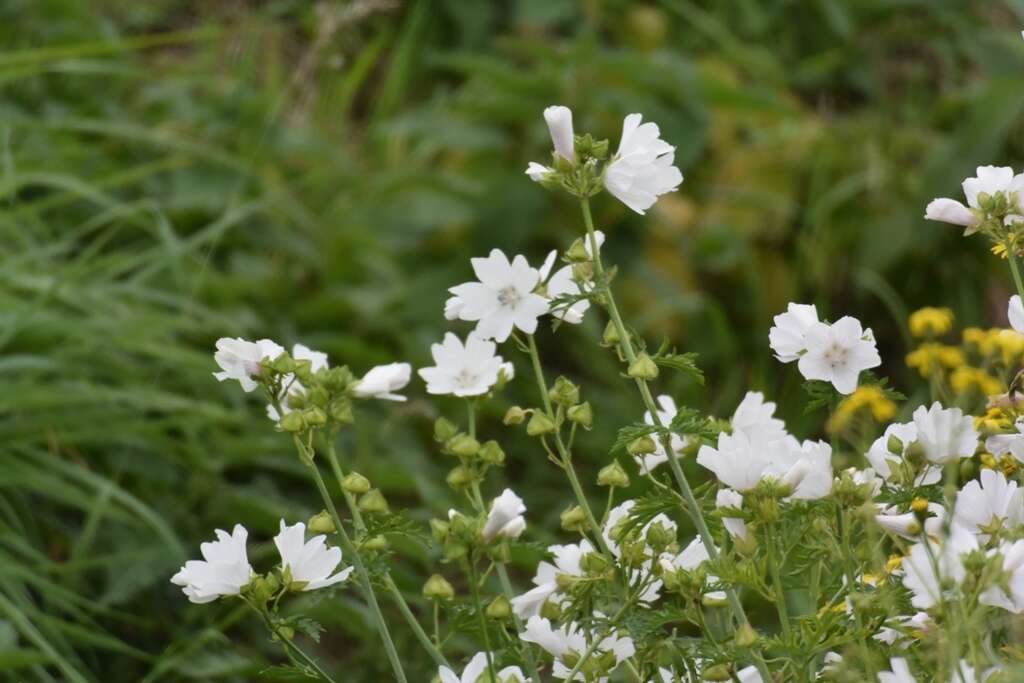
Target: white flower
column 786, row 337
column 642, row 169
column 727, row 498
column 293, row 387
column 240, row 359
column 837, row 353
column 570, row 639
column 756, row 418
column 919, row 574
column 735, row 462
column 1015, row 313
column 383, row 381
column 561, row 283
column 692, row 557
column 1013, row 565
column 559, row 120
column 469, row 370
column 567, row 561
column 946, row 434
column 907, row 525
column 475, row 670
column 990, row 180
column 897, row 634
column 899, row 672
column 882, row 459
column 1012, row 443
column 993, row 500
column 537, row 172
column 505, row 520
column 308, row 562
column 224, row 569
column 502, row 299
column 649, row 461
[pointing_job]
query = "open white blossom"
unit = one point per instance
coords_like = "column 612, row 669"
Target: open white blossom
column 642, row 169
column 308, row 562
column 383, row 381
column 1015, row 313
column 566, row 561
column 727, row 498
column 1012, row 443
column 755, row 417
column 463, row 370
column 992, row 501
column 990, row 180
column 884, row 460
column 505, row 520
column 502, row 299
column 475, row 669
column 945, row 434
column 224, row 569
column 293, row 387
column 787, row 336
column 736, row 462
column 907, row 525
column 740, row 463
column 837, row 353
column 692, row 557
column 919, row 573
column 1011, row 595
column 561, row 283
column 570, row 641
column 648, row 461
column 240, row 359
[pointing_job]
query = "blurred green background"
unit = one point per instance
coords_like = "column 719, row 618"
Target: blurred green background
column 172, row 172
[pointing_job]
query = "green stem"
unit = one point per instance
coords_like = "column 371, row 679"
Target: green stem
column 396, row 593
column 357, row 561
column 475, row 590
column 849, row 563
column 780, row 593
column 290, row 648
column 1015, row 270
column 693, row 508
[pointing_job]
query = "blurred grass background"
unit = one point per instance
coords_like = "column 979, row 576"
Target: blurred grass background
column 174, row 171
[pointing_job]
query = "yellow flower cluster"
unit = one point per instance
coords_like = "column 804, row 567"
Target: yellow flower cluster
column 932, row 357
column 931, row 322
column 965, row 378
column 1007, row 345
column 1006, row 463
column 994, row 421
column 868, row 399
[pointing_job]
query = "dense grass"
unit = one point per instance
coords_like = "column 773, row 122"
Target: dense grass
column 173, row 172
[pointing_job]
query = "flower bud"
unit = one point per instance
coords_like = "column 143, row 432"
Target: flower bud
column 642, row 445
column 577, row 252
column 355, row 483
column 341, row 411
column 613, row 475
column 551, row 610
column 746, row 636
column 293, row 422
column 611, row 334
column 444, row 429
column 564, row 392
column 373, row 502
column 581, row 414
column 439, row 530
column 539, row 424
column 583, row 272
column 463, row 446
column 573, row 518
column 658, row 537
column 314, row 417
column 263, row 588
column 321, row 523
column 594, row 564
column 318, row 396
column 499, row 609
column 491, row 453
column 643, row 367
column 284, row 633
column 375, row 543
column 718, row 672
column 283, row 364
column 438, row 588
column 894, row 445
column 459, row 477
column 514, row 416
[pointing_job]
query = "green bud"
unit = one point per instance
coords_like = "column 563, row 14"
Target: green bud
column 658, row 537
column 459, row 477
column 321, row 523
column 318, row 396
column 894, row 445
column 438, row 588
column 718, row 672
column 613, row 475
column 710, row 600
column 611, row 334
column 581, row 414
column 986, row 201
column 341, row 411
column 355, row 483
column 551, row 610
column 564, row 392
column 314, row 417
column 491, row 453
column 444, row 429
column 293, row 422
column 284, row 633
column 599, row 150
column 373, row 502
column 539, row 424
column 463, row 446
column 573, row 519
column 643, row 367
column 263, row 588
column 514, row 416
column 499, row 609
column 641, row 446
column 565, row 581
column 283, row 364
column 454, row 551
column 375, row 543
column 594, row 564
column 746, row 636
column 577, row 251
column 439, row 530
column 583, row 272
column 295, row 400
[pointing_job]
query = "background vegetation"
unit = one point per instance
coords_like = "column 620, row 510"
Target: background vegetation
column 177, row 171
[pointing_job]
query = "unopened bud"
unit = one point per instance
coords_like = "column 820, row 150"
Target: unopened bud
column 321, row 523
column 573, row 518
column 594, row 564
column 551, row 610
column 514, row 416
column 464, row 446
column 499, row 609
column 611, row 334
column 373, row 502
column 444, row 429
column 658, row 537
column 353, row 482
column 438, row 588
column 894, row 445
column 318, row 396
column 263, row 588
column 746, row 636
column 583, row 272
column 375, row 543
column 641, row 446
column 439, row 530
column 539, row 424
column 577, row 251
column 613, row 475
column 459, row 477
column 581, row 414
column 718, row 672
column 643, row 367
column 564, row 392
column 293, row 422
column 315, row 416
column 491, row 453
column 341, row 411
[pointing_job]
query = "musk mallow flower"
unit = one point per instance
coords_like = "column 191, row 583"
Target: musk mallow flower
column 740, row 462
column 475, row 670
column 502, row 299
column 383, row 381
column 562, row 283
column 733, row 500
column 463, row 370
column 945, row 434
column 838, row 353
column 1012, row 443
column 787, row 336
column 919, row 570
column 505, row 520
column 883, row 460
column 311, row 562
column 569, row 641
column 240, row 359
column 1008, row 594
column 990, row 180
column 291, row 386
column 224, row 569
column 567, row 560
column 642, row 169
column 991, row 501
column 1015, row 313
column 735, row 461
column 559, row 120
column 756, row 418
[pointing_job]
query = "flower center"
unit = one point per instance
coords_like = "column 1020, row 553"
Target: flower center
column 836, row 355
column 466, row 378
column 509, row 296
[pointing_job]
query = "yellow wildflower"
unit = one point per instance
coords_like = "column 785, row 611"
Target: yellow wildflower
column 868, row 398
column 893, row 563
column 931, row 322
column 993, row 421
column 1010, row 345
column 930, row 357
column 988, row 462
column 966, row 378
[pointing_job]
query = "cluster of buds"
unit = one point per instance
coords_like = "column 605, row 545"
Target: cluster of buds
column 568, row 409
column 457, row 535
column 304, row 399
column 474, row 457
